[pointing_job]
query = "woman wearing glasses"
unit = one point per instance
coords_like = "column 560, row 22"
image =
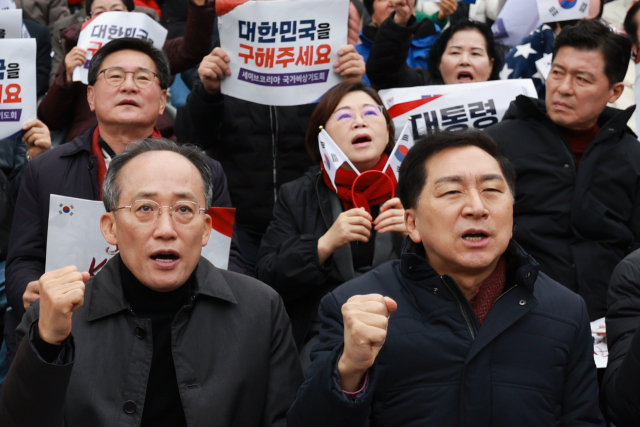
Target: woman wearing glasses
column 323, row 235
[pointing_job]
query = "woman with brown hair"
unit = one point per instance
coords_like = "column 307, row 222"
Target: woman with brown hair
column 322, row 235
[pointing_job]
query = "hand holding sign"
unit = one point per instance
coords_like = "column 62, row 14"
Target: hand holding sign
column 350, row 63
column 447, row 8
column 61, row 293
column 212, row 70
column 73, row 59
column 365, row 318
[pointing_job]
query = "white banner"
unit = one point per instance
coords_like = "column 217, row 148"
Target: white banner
column 74, row 236
column 11, row 24
column 562, row 10
column 282, row 52
column 17, row 85
column 114, row 25
column 516, row 20
column 450, row 107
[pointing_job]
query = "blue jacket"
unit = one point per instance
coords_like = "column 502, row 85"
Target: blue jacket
column 530, row 364
column 419, row 51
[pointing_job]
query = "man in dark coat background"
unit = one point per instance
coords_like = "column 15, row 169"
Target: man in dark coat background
column 577, row 208
column 125, row 113
column 159, row 337
column 463, row 330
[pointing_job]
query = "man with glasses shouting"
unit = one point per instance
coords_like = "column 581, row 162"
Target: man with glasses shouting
column 159, row 337
column 128, row 79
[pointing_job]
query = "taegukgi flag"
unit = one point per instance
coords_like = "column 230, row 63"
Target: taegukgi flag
column 114, row 25
column 402, row 147
column 74, row 236
column 451, row 107
column 562, row 10
column 282, row 52
column 332, row 156
column 17, row 85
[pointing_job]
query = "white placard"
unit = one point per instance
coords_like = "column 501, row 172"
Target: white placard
column 516, row 20
column 11, row 24
column 114, row 25
column 74, row 236
column 600, row 349
column 7, row 4
column 544, row 65
column 17, row 85
column 562, row 10
column 636, row 89
column 457, row 106
column 282, row 52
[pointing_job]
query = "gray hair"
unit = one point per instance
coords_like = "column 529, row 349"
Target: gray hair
column 111, row 189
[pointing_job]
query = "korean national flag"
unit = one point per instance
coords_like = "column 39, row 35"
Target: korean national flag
column 332, row 156
column 562, row 10
column 403, row 145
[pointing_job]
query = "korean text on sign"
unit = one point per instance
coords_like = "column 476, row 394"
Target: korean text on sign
column 17, row 85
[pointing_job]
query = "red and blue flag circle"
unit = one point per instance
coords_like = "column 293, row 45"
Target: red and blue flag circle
column 327, row 162
column 401, row 152
column 66, row 209
column 567, row 4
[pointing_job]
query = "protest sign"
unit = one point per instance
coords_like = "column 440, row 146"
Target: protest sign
column 114, row 25
column 450, row 107
column 282, row 52
column 399, row 152
column 543, row 65
column 600, row 349
column 562, row 10
column 11, row 24
column 636, row 89
column 7, row 4
column 17, row 85
column 74, row 236
column 516, row 20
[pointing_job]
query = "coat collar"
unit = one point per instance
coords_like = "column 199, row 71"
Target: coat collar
column 79, row 144
column 415, row 267
column 106, row 296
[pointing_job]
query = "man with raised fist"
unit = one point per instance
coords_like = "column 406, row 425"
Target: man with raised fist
column 159, row 336
column 463, row 330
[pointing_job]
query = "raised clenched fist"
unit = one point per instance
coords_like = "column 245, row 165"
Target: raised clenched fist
column 213, row 69
column 61, row 293
column 365, row 319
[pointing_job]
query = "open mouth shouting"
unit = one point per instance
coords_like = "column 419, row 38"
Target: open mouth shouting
column 465, row 77
column 165, row 258
column 475, row 238
column 361, row 140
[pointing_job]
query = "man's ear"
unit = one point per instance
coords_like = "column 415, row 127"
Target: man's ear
column 411, row 222
column 615, row 92
column 163, row 101
column 90, row 98
column 207, row 230
column 108, row 227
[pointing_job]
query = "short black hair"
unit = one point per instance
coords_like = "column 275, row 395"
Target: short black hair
column 438, row 49
column 590, row 35
column 413, row 171
column 631, row 23
column 163, row 69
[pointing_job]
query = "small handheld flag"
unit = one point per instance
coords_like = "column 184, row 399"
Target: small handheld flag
column 403, row 145
column 332, row 156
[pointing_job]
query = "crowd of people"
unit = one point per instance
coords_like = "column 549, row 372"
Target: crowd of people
column 458, row 291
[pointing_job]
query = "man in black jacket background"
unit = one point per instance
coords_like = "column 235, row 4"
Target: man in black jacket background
column 577, row 208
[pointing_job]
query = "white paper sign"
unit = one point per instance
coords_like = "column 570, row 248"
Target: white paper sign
column 544, row 65
column 17, row 85
column 74, row 236
column 516, row 20
column 450, row 107
column 7, row 4
column 282, row 52
column 11, row 24
column 600, row 349
column 562, row 10
column 114, row 25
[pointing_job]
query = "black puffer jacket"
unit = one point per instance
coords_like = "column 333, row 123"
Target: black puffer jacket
column 259, row 146
column 621, row 383
column 577, row 223
column 288, row 258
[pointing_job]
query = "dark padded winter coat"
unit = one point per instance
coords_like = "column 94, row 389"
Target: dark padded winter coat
column 529, row 365
column 578, row 223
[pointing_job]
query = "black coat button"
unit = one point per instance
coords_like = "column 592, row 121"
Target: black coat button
column 130, row 406
column 140, row 332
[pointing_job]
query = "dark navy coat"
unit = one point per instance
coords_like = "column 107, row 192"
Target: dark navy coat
column 530, row 364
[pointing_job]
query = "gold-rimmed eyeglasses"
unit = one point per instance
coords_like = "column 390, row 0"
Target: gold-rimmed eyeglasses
column 115, row 76
column 147, row 211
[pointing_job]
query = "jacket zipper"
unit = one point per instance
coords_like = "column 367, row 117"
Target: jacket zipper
column 466, row 318
column 273, row 117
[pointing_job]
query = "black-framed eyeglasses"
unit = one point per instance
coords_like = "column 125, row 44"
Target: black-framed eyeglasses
column 147, row 211
column 115, row 76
